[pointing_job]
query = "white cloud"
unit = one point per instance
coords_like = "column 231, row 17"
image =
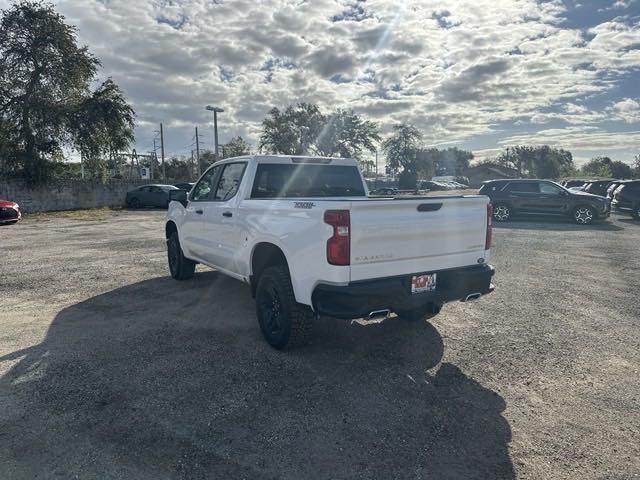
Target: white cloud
column 627, row 110
column 457, row 69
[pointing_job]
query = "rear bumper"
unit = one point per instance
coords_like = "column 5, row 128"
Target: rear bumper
column 358, row 299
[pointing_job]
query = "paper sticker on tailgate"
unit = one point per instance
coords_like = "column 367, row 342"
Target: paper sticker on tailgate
column 423, row 283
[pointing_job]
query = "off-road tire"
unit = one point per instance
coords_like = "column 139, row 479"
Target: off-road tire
column 181, row 268
column 636, row 212
column 285, row 323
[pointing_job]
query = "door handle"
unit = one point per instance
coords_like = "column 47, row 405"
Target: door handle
column 227, row 214
column 199, row 212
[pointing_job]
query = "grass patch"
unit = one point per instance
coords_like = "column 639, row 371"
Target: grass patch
column 85, row 214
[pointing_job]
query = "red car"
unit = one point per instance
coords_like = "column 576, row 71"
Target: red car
column 9, row 212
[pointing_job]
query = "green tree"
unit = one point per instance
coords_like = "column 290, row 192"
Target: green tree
column 605, row 167
column 207, row 158
column 452, row 161
column 346, row 134
column 236, row 147
column 292, row 131
column 426, row 161
column 540, row 161
column 303, row 129
column 368, row 167
column 45, row 80
column 179, row 168
column 597, row 167
column 102, row 124
column 401, row 149
column 7, row 148
column 621, row 170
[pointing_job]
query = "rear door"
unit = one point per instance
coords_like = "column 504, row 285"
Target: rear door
column 524, row 196
column 144, row 196
column 156, row 197
column 400, row 237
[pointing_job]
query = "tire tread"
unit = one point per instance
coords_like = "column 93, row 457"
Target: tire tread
column 301, row 321
column 186, row 267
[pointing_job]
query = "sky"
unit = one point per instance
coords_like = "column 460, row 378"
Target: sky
column 477, row 74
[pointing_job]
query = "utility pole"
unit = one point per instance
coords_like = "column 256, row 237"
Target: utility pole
column 215, row 111
column 197, row 171
column 193, row 165
column 164, row 172
column 215, row 130
column 155, row 158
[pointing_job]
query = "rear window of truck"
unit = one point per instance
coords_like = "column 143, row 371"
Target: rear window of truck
column 298, row 181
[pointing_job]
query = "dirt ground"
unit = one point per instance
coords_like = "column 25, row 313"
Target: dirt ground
column 111, row 370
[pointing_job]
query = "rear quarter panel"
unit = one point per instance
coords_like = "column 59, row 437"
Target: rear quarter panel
column 297, row 227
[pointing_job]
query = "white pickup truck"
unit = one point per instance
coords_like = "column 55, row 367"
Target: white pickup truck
column 303, row 233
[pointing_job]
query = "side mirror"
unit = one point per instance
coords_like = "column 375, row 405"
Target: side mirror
column 178, row 196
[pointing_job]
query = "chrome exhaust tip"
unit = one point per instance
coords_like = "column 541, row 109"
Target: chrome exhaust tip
column 472, row 296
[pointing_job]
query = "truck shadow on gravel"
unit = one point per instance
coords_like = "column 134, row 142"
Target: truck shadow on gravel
column 172, row 380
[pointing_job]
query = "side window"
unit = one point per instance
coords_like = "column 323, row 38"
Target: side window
column 549, row 188
column 155, row 189
column 229, row 181
column 523, row 187
column 204, row 187
column 145, row 189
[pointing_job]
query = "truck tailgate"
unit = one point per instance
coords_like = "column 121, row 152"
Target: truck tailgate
column 403, row 236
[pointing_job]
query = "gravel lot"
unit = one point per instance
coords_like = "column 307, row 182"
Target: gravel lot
column 109, row 369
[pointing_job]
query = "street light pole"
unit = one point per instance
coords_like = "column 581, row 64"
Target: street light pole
column 215, row 131
column 215, row 111
column 164, row 171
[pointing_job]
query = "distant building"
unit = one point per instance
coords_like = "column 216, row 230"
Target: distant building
column 488, row 171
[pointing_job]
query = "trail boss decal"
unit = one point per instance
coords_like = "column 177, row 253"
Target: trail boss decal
column 305, row 205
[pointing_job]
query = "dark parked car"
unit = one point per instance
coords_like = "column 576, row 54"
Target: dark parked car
column 627, row 198
column 543, row 197
column 574, row 183
column 598, row 187
column 9, row 212
column 149, row 196
column 612, row 188
column 184, row 186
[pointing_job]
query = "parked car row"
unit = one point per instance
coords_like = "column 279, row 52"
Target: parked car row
column 519, row 197
column 626, row 192
column 592, row 200
column 626, row 198
column 153, row 195
column 442, row 185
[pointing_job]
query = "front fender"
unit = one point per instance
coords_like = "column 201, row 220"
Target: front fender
column 176, row 213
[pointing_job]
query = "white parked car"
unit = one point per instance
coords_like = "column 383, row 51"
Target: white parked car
column 303, row 233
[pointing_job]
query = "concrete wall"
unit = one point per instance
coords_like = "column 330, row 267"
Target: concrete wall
column 66, row 194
